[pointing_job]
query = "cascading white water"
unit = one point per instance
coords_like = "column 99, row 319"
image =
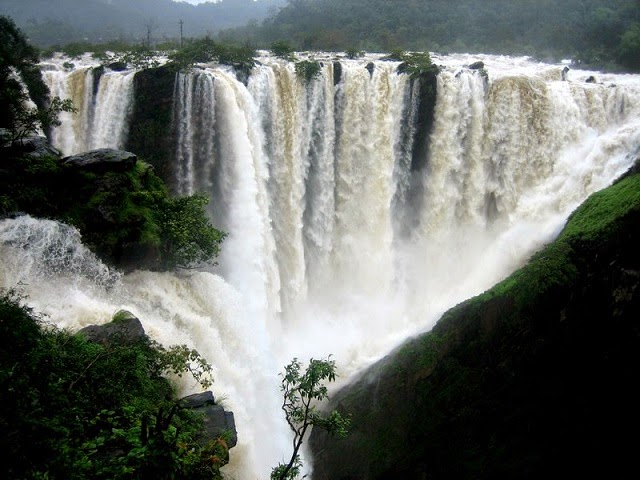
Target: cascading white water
column 101, row 119
column 309, row 181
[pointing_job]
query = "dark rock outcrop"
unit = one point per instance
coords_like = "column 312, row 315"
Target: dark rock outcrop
column 370, row 67
column 103, row 160
column 479, row 65
column 117, row 66
column 337, row 73
column 532, row 379
column 32, row 146
column 217, row 421
column 151, row 134
column 126, row 330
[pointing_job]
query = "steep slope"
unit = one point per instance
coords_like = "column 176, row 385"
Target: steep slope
column 534, row 377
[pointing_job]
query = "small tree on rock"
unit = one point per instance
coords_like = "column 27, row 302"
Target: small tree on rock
column 302, row 391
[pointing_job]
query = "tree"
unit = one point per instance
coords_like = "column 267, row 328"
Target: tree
column 28, row 121
column 282, row 49
column 187, row 237
column 301, row 393
column 20, row 83
column 630, row 47
column 76, row 409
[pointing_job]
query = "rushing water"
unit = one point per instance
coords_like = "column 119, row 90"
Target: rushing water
column 336, row 244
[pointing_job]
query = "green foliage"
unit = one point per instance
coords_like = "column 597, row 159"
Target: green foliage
column 415, row 64
column 629, row 50
column 282, row 49
column 29, row 121
column 307, row 70
column 354, row 53
column 205, row 50
column 180, row 359
column 586, row 30
column 187, row 237
column 302, row 390
column 595, row 222
column 139, row 58
column 134, row 211
column 18, row 67
column 74, row 409
column 30, row 184
column 119, row 214
column 599, row 214
column 75, row 50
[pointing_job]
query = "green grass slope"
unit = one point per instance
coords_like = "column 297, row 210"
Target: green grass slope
column 535, row 377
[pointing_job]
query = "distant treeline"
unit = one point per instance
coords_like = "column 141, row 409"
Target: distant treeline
column 597, row 32
column 59, row 22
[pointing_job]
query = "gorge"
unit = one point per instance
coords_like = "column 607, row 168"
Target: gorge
column 353, row 223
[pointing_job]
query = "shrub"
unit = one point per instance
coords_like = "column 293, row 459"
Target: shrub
column 307, row 70
column 74, row 409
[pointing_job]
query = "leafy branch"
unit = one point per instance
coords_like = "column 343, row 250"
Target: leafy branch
column 302, row 391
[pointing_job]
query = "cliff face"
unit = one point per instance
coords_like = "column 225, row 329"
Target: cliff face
column 535, row 377
column 151, row 134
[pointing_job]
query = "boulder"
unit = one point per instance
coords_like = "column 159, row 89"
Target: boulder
column 103, row 160
column 127, row 329
column 479, row 65
column 370, row 67
column 217, row 421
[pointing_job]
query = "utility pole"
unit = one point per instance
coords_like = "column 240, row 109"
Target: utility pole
column 181, row 23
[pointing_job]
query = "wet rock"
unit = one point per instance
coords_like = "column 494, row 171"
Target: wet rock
column 103, row 160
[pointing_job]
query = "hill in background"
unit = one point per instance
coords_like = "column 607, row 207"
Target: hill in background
column 59, row 22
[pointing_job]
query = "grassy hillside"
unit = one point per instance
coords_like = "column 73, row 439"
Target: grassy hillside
column 535, row 377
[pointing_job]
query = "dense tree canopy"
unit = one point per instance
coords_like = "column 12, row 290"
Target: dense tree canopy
column 18, row 61
column 75, row 409
column 587, row 30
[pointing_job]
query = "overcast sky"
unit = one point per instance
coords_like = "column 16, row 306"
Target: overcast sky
column 195, row 2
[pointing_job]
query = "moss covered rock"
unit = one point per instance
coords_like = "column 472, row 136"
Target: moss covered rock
column 532, row 379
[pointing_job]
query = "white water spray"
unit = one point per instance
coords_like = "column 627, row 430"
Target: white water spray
column 103, row 100
column 304, row 177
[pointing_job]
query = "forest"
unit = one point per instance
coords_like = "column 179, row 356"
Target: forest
column 602, row 33
column 49, row 23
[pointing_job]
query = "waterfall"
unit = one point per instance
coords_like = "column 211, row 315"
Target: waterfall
column 310, row 180
column 103, row 105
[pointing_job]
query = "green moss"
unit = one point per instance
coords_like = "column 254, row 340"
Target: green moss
column 600, row 214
